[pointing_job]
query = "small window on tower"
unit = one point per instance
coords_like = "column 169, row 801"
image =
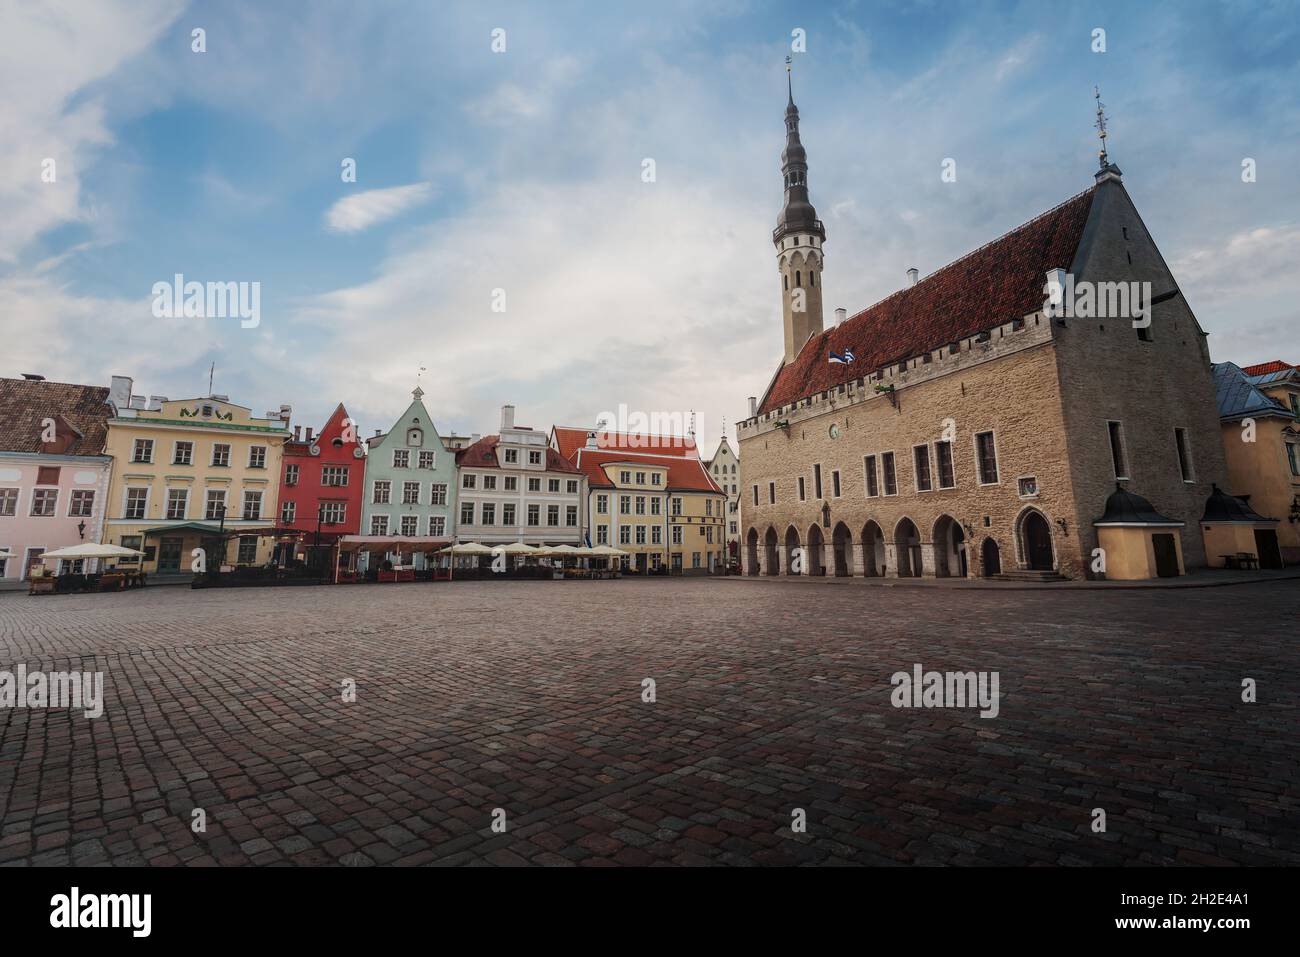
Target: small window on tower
column 785, row 282
column 812, row 279
column 798, row 280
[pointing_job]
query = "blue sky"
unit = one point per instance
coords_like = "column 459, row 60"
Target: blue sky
column 522, row 171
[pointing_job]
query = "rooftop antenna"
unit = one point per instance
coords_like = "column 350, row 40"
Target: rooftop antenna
column 1101, row 127
column 211, row 371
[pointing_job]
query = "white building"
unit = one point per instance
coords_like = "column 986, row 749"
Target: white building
column 724, row 467
column 515, row 488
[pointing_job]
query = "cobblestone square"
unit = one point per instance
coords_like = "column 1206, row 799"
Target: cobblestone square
column 770, row 696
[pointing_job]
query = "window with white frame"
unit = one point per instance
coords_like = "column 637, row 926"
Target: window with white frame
column 602, row 534
column 288, row 512
column 333, row 513
column 183, row 453
column 401, row 458
column 410, row 493
column 410, row 524
column 921, row 468
column 291, row 475
column 221, row 454
column 378, row 524
column 469, row 480
column 381, row 492
column 82, row 504
column 252, row 504
column 334, row 476
column 177, row 500
column 136, row 501
column 467, row 513
column 215, row 504
column 257, row 456
column 437, row 525
column 943, row 459
column 426, row 458
column 438, row 493
column 44, row 502
column 142, row 451
column 8, row 502
column 602, row 504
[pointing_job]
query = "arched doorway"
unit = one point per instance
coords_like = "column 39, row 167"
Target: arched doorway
column 949, row 548
column 791, row 546
column 907, row 543
column 991, row 558
column 842, row 546
column 751, row 552
column 816, row 557
column 772, row 565
column 1036, row 542
column 873, row 550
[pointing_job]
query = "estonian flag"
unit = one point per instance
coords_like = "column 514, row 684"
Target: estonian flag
column 842, row 359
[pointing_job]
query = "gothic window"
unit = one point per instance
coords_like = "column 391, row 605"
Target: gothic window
column 785, row 282
column 812, row 278
column 798, row 280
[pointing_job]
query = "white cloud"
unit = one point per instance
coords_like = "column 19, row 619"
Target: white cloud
column 360, row 211
column 48, row 55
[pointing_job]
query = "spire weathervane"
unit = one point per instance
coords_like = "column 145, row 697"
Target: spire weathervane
column 789, row 78
column 1101, row 127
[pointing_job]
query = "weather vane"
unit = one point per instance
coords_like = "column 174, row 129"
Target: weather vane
column 1101, row 127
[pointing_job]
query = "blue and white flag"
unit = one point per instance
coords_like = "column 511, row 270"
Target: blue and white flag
column 839, row 359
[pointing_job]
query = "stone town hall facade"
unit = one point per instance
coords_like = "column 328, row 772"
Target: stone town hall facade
column 972, row 434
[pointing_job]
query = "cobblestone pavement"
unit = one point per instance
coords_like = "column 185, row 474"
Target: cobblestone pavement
column 527, row 696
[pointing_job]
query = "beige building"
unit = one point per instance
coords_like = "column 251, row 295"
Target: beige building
column 1259, row 407
column 981, row 420
column 192, row 473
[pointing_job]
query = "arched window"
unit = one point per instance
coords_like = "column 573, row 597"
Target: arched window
column 812, row 278
column 785, row 282
column 798, row 282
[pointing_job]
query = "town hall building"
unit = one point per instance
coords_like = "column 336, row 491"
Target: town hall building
column 1007, row 415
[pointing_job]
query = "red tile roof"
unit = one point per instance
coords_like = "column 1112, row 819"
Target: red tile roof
column 482, row 455
column 24, row 403
column 684, row 474
column 570, row 440
column 996, row 283
column 1264, row 368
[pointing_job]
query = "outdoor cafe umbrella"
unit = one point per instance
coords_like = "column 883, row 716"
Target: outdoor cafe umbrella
column 4, row 554
column 466, row 548
column 92, row 550
column 516, row 548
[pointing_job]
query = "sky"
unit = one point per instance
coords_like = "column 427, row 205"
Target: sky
column 501, row 242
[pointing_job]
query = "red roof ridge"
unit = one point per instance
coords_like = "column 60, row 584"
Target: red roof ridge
column 1265, row 368
column 974, row 252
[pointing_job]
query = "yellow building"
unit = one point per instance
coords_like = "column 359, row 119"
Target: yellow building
column 1259, row 412
column 195, row 473
column 652, row 497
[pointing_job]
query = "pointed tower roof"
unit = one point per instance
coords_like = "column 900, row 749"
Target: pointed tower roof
column 797, row 213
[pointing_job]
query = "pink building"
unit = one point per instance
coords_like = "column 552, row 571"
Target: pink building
column 53, row 470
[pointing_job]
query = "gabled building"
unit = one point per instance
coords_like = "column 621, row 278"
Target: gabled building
column 321, row 490
column 515, row 488
column 976, row 421
column 724, row 467
column 192, row 473
column 1259, row 408
column 410, row 485
column 54, row 471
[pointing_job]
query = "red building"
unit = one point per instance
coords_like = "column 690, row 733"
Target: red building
column 321, row 483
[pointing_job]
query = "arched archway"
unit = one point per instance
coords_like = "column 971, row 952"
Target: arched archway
column 816, row 557
column 771, row 565
column 791, row 546
column 873, row 550
column 907, row 543
column 949, row 548
column 991, row 558
column 751, row 552
column 1034, row 537
column 842, row 548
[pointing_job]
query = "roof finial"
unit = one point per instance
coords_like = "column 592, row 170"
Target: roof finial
column 1101, row 127
column 789, row 79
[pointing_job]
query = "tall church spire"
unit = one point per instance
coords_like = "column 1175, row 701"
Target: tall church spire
column 798, row 237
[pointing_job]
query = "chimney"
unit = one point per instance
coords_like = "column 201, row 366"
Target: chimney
column 753, row 406
column 507, row 417
column 155, row 402
column 913, row 275
column 297, row 433
column 309, row 435
column 840, row 315
column 378, row 432
column 137, row 402
column 591, row 440
column 119, row 391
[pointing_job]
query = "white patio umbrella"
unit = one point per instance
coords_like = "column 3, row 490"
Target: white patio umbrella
column 516, row 548
column 92, row 550
column 466, row 548
column 608, row 552
column 4, row 554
